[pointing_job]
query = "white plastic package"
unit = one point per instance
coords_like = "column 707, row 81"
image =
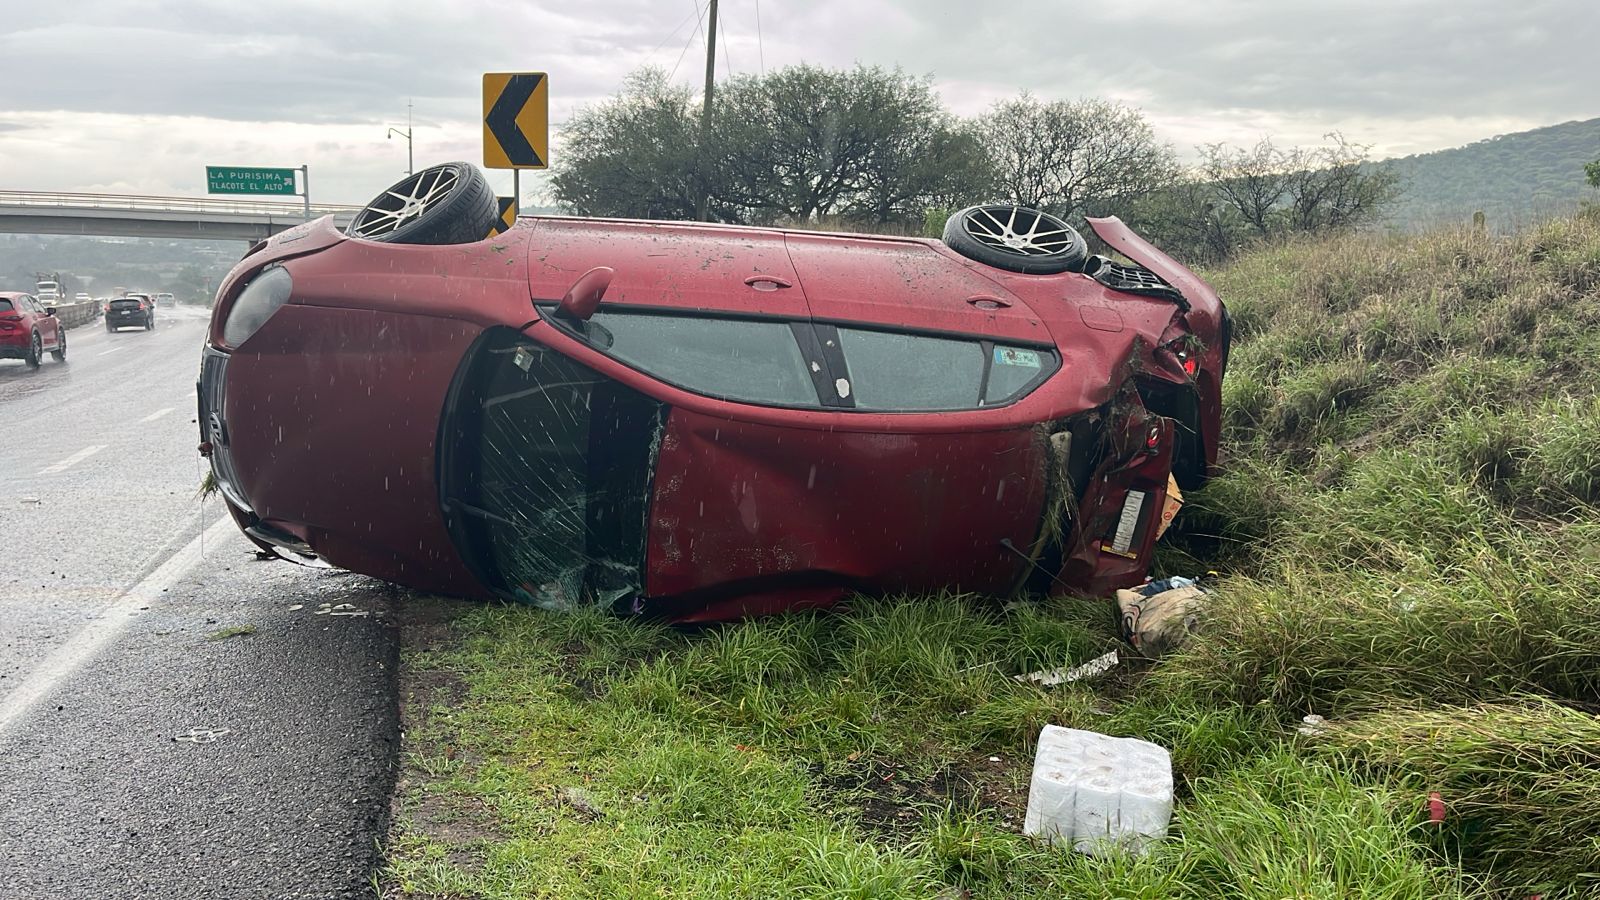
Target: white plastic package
column 1096, row 792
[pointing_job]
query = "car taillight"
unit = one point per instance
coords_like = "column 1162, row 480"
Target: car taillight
column 1187, row 358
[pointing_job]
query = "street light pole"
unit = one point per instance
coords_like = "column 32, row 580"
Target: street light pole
column 410, row 162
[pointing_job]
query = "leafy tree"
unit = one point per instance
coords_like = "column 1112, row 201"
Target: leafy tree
column 1073, row 157
column 634, row 155
column 803, row 144
column 800, row 144
column 1592, row 170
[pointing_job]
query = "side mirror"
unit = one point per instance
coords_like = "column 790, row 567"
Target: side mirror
column 583, row 298
column 49, row 310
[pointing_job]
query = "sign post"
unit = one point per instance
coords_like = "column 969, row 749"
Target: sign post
column 258, row 180
column 516, row 124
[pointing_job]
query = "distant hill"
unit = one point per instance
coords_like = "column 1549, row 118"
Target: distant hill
column 1513, row 178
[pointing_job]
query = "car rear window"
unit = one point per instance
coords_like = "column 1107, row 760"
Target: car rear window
column 5, row 306
column 762, row 361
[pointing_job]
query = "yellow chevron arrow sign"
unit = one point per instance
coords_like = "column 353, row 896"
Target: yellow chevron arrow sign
column 516, row 120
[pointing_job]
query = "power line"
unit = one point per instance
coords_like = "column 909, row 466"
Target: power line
column 674, row 34
column 761, row 51
column 697, row 30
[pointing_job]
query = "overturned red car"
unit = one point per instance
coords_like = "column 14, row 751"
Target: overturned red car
column 700, row 422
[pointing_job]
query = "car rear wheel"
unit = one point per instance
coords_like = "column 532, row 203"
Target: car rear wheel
column 1016, row 239
column 449, row 203
column 35, row 352
column 60, row 352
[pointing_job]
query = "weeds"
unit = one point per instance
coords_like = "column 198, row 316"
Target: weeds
column 1406, row 526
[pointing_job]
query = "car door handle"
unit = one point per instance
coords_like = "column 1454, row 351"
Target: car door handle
column 771, row 282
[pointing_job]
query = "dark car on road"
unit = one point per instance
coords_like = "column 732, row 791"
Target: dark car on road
column 132, row 311
column 699, row 421
column 28, row 329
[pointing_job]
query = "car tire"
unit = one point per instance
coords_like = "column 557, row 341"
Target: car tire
column 1016, row 239
column 60, row 352
column 450, row 203
column 35, row 352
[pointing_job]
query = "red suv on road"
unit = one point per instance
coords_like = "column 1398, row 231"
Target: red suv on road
column 28, row 329
column 702, row 421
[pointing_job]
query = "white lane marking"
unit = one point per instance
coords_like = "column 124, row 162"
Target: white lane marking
column 157, row 414
column 72, row 460
column 104, row 352
column 111, row 621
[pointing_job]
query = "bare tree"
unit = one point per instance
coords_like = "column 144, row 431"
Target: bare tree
column 1334, row 187
column 1241, row 194
column 1252, row 181
column 1073, row 157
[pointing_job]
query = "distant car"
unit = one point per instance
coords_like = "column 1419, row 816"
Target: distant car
column 28, row 329
column 164, row 299
column 134, row 310
column 700, row 422
column 80, row 297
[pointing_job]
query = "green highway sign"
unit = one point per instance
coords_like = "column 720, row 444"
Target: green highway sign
column 238, row 180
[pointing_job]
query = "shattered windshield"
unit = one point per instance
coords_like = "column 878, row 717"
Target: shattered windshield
column 549, row 475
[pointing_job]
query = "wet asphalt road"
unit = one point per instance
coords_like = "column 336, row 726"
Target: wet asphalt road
column 142, row 753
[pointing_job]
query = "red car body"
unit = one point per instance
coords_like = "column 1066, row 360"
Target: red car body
column 22, row 318
column 378, row 419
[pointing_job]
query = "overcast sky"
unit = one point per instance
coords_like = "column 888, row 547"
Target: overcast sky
column 138, row 97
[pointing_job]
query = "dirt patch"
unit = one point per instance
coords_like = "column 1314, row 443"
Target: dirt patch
column 460, row 826
column 889, row 799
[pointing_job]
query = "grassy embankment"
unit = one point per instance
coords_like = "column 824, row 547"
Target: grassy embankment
column 1411, row 549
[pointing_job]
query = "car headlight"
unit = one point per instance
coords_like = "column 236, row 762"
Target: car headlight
column 260, row 299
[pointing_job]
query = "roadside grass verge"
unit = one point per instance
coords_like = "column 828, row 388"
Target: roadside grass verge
column 1408, row 544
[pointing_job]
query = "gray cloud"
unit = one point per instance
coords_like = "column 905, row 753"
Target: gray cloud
column 169, row 85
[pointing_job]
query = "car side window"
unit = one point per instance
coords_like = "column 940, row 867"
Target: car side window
column 733, row 359
column 762, row 361
column 897, row 371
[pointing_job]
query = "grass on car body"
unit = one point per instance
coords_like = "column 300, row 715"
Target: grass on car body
column 1409, row 548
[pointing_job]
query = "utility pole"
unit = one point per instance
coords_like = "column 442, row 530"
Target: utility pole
column 410, row 163
column 705, row 112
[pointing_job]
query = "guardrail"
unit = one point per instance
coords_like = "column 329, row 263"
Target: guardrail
column 74, row 314
column 141, row 203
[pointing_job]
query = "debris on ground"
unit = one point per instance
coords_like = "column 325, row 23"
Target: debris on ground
column 1097, row 792
column 1160, row 615
column 579, row 801
column 1068, row 674
column 1312, row 725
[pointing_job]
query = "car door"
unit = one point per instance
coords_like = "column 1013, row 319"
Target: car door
column 48, row 326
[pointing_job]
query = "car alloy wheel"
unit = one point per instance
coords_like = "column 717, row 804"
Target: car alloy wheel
column 450, row 203
column 1016, row 239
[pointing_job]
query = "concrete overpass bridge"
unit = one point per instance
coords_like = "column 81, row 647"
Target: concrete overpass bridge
column 122, row 215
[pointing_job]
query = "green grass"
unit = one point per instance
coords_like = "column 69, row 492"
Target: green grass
column 1409, row 544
